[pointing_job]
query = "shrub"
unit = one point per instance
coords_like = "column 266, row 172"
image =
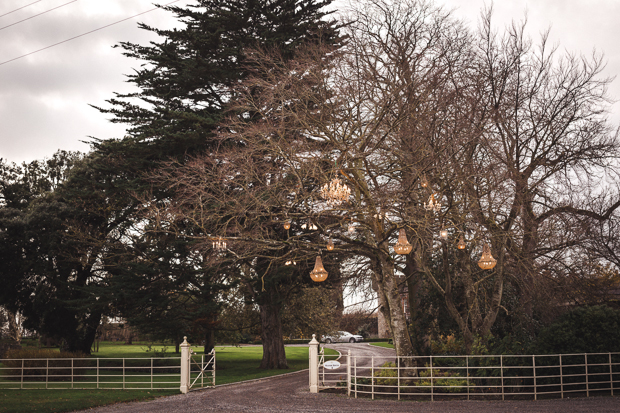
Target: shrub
column 387, row 370
column 35, row 363
column 593, row 329
column 452, row 382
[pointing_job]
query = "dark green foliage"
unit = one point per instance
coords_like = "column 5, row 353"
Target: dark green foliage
column 163, row 283
column 582, row 330
column 186, row 82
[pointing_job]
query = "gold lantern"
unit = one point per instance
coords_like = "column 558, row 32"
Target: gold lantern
column 330, row 245
column 402, row 247
column 287, row 225
column 461, row 245
column 318, row 274
column 487, row 262
column 443, row 233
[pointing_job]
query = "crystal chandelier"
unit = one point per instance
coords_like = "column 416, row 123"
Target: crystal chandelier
column 461, row 245
column 433, row 204
column 318, row 274
column 219, row 244
column 335, row 192
column 487, row 262
column 402, row 247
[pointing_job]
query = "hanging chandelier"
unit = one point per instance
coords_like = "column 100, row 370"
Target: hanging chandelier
column 219, row 244
column 461, row 245
column 335, row 192
column 402, row 247
column 309, row 226
column 433, row 204
column 487, row 262
column 423, row 182
column 318, row 274
column 330, row 245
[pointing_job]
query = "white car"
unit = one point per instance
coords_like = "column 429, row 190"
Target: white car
column 342, row 337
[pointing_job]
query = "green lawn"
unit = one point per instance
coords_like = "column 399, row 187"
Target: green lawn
column 386, row 345
column 233, row 364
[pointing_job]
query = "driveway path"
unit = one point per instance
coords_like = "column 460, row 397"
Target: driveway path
column 289, row 393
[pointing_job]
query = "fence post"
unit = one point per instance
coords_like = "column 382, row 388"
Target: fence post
column 213, row 352
column 313, row 349
column 398, row 376
column 561, row 377
column 534, row 375
column 349, row 373
column 185, row 363
column 611, row 377
column 372, row 376
column 587, row 378
column 501, row 364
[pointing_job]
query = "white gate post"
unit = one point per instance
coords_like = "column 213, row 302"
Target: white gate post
column 314, row 364
column 185, row 364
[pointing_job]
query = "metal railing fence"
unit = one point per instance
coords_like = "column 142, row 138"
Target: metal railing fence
column 105, row 373
column 487, row 376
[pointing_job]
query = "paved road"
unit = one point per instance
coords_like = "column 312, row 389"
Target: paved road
column 289, row 393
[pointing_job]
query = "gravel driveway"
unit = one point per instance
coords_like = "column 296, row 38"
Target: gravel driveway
column 289, row 393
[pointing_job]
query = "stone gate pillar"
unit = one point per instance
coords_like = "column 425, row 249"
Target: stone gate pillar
column 314, row 364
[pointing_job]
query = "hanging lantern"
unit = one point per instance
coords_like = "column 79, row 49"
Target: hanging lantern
column 287, row 225
column 351, row 228
column 487, row 262
column 330, row 245
column 335, row 192
column 433, row 204
column 461, row 245
column 219, row 244
column 443, row 233
column 318, row 274
column 423, row 182
column 402, row 247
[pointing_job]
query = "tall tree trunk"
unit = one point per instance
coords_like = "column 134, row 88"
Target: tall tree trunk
column 209, row 340
column 274, row 356
column 388, row 286
column 83, row 339
column 414, row 281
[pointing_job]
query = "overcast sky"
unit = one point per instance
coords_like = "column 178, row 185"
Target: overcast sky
column 45, row 97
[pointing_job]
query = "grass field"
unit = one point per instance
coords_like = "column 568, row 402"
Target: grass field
column 385, row 345
column 233, row 364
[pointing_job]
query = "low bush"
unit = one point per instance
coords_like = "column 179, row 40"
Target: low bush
column 33, row 364
column 593, row 329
